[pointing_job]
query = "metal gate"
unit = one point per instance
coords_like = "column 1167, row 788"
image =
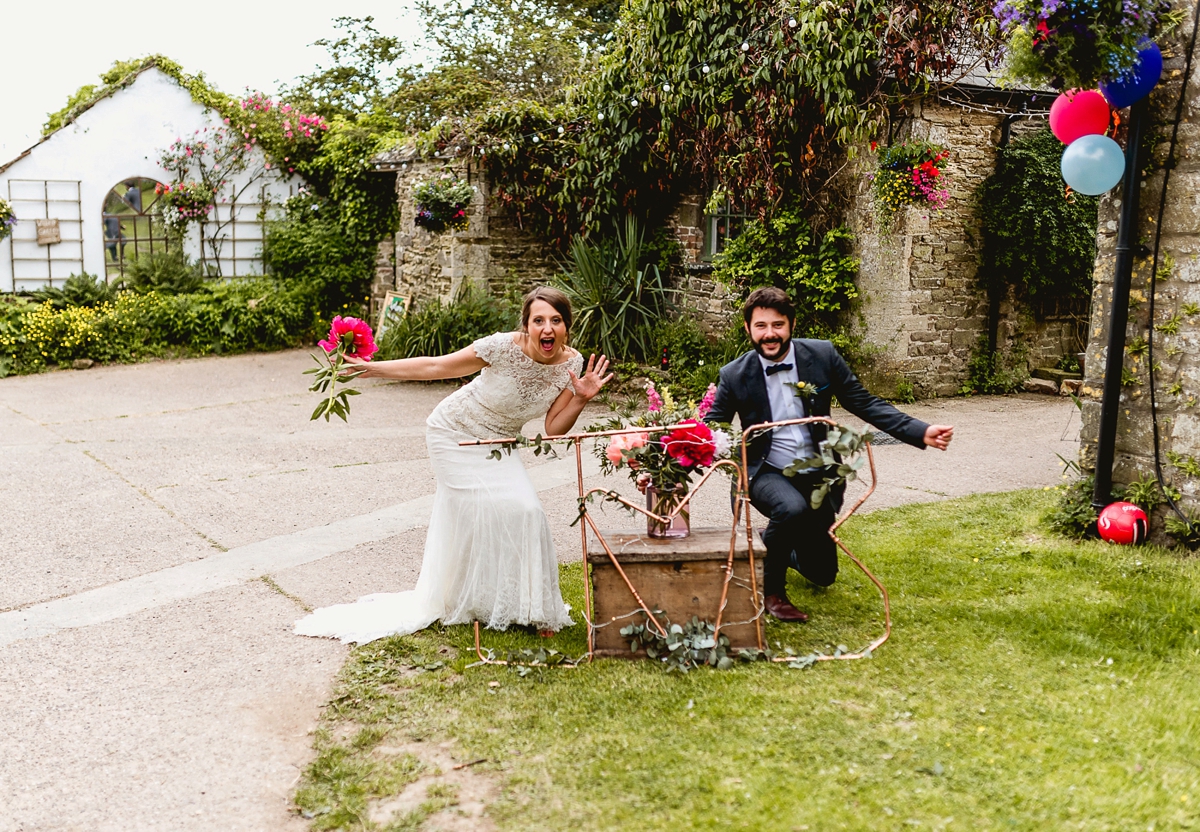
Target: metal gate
column 47, row 241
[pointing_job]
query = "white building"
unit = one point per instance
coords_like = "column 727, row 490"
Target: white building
column 83, row 194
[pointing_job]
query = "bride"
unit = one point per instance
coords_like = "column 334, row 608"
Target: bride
column 489, row 554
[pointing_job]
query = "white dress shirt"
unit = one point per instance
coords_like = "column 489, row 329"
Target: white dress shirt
column 792, row 442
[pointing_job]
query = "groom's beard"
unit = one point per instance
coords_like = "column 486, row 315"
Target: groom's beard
column 770, row 341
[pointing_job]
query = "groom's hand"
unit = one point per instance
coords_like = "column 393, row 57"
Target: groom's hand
column 939, row 436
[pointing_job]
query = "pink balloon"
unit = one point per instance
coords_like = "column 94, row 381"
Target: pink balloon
column 1078, row 113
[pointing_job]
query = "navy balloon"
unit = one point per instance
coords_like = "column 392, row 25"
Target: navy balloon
column 1093, row 164
column 1141, row 79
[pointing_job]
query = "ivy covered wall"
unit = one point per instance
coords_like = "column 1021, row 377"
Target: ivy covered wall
column 924, row 310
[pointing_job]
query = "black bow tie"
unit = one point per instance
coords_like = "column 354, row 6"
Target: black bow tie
column 772, row 369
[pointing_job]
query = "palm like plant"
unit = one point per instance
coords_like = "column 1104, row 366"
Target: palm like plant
column 615, row 298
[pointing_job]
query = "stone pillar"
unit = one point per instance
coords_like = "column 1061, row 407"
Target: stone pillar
column 1175, row 327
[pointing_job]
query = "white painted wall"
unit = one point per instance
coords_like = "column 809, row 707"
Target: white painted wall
column 119, row 138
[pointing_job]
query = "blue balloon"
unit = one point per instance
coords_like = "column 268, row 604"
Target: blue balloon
column 1093, row 164
column 1137, row 84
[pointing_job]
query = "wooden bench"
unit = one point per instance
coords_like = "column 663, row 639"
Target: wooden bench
column 682, row 577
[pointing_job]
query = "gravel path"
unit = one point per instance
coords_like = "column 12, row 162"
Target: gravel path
column 164, row 523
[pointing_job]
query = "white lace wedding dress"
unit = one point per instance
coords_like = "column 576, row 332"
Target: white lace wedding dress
column 489, row 554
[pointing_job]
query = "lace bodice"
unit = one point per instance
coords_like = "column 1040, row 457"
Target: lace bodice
column 509, row 392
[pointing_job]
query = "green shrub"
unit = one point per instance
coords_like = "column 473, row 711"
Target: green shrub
column 436, row 329
column 236, row 316
column 994, row 373
column 1073, row 515
column 695, row 359
column 311, row 246
column 618, row 299
column 814, row 270
column 79, row 290
column 166, row 272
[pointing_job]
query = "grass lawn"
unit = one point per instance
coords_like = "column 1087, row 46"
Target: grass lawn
column 1030, row 683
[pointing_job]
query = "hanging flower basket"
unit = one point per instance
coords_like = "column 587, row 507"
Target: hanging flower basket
column 184, row 202
column 910, row 173
column 442, row 203
column 1078, row 43
column 8, row 218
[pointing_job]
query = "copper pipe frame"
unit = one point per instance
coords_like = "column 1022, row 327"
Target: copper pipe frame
column 887, row 607
column 742, row 501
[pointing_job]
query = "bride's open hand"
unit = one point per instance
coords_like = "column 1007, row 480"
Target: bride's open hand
column 593, row 378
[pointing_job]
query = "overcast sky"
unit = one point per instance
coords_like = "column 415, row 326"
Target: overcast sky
column 51, row 49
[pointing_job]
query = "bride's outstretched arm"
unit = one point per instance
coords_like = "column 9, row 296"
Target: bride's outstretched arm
column 567, row 407
column 426, row 368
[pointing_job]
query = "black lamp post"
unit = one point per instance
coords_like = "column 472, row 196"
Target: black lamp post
column 1110, row 403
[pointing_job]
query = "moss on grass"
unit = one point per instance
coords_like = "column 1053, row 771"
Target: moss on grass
column 995, row 705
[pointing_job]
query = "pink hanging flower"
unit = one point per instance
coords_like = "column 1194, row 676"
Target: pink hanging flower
column 352, row 334
column 655, row 400
column 706, row 403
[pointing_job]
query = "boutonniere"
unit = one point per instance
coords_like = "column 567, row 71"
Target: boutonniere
column 806, row 391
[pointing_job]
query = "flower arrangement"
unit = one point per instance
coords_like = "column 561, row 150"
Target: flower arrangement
column 184, row 202
column 663, row 463
column 665, row 460
column 347, row 336
column 442, row 203
column 8, row 218
column 909, row 173
column 1078, row 43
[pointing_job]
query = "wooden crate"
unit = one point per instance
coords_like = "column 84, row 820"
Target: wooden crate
column 681, row 577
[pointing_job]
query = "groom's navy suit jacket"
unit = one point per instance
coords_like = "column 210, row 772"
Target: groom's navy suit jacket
column 742, row 390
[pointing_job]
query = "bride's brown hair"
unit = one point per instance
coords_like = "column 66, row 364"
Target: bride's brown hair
column 560, row 302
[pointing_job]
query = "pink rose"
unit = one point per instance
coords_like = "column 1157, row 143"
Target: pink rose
column 621, row 444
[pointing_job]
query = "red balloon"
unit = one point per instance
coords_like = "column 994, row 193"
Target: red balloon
column 1078, row 113
column 1122, row 523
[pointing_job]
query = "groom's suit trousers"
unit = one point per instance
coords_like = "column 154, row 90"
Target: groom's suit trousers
column 797, row 534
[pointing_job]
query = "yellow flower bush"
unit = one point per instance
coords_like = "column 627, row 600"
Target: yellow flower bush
column 237, row 316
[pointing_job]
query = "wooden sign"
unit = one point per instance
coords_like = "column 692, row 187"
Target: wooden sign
column 47, row 232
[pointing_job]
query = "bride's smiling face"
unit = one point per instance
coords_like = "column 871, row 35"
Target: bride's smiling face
column 546, row 329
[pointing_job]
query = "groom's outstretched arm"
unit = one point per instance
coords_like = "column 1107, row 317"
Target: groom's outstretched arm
column 870, row 408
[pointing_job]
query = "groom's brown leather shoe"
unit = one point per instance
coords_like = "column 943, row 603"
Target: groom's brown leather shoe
column 780, row 607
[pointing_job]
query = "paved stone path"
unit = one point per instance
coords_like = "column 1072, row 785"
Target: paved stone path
column 163, row 523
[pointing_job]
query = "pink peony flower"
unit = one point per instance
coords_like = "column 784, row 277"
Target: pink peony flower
column 621, row 444
column 691, row 446
column 353, row 334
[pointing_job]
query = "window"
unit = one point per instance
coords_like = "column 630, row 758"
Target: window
column 721, row 227
column 131, row 227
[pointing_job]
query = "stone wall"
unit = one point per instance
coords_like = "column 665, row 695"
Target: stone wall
column 1177, row 349
column 923, row 312
column 493, row 252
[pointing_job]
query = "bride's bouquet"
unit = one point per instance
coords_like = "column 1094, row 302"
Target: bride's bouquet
column 347, row 336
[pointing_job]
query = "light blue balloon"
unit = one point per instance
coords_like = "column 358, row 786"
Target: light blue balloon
column 1092, row 165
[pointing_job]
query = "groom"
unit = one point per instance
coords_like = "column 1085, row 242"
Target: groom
column 754, row 388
